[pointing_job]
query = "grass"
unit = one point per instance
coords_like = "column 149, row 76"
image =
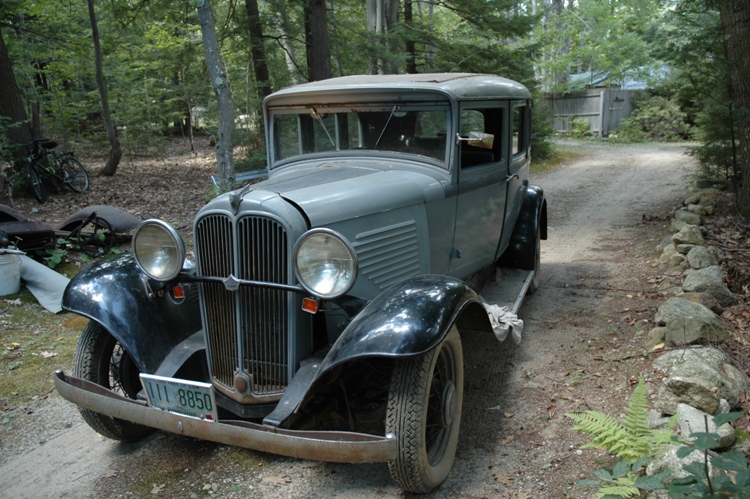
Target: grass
column 33, row 344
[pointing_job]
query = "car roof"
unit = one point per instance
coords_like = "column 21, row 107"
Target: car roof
column 455, row 86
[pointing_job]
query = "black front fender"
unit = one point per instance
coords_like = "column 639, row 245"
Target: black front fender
column 115, row 293
column 406, row 320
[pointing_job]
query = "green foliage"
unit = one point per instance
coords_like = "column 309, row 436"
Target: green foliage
column 542, row 130
column 580, row 128
column 733, row 482
column 625, row 480
column 630, row 439
column 655, row 119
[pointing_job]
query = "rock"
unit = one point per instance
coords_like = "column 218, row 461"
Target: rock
column 656, row 336
column 668, row 461
column 699, row 258
column 690, row 234
column 692, row 420
column 687, row 217
column 701, row 209
column 712, row 185
column 677, row 226
column 676, row 259
column 666, row 242
column 655, row 420
column 694, row 392
column 679, row 307
column 690, row 330
column 707, row 364
column 709, row 280
column 704, row 299
column 684, row 249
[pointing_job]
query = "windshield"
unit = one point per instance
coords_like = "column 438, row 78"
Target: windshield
column 390, row 128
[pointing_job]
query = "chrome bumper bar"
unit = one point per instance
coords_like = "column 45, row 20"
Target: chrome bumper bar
column 332, row 446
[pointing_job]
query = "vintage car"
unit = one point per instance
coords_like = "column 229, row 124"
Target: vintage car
column 321, row 314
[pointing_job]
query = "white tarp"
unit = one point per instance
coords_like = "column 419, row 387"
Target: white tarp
column 503, row 321
column 45, row 284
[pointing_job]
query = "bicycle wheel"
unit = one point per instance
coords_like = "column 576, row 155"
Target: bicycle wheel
column 74, row 175
column 35, row 182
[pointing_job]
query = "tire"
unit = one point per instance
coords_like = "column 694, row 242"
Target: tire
column 74, row 175
column 424, row 413
column 537, row 263
column 35, row 183
column 99, row 358
column 94, row 237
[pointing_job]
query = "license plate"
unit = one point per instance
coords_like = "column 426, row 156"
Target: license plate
column 188, row 398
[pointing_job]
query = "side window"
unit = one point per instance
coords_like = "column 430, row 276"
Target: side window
column 482, row 120
column 520, row 130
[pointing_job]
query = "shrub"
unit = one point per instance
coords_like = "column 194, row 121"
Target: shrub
column 655, row 119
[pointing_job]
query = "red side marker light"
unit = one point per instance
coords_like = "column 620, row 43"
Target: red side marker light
column 310, row 305
column 178, row 292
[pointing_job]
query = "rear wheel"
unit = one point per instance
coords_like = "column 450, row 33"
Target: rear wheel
column 100, row 358
column 74, row 175
column 537, row 262
column 424, row 413
column 35, row 183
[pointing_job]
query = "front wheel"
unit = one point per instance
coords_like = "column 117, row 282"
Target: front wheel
column 74, row 175
column 35, row 183
column 100, row 358
column 424, row 413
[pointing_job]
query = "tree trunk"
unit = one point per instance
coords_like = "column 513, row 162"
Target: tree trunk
column 316, row 39
column 223, row 95
column 257, row 49
column 411, row 49
column 11, row 105
column 115, row 152
column 735, row 22
column 289, row 56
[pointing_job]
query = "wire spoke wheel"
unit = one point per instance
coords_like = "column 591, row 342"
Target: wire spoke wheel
column 35, row 183
column 100, row 358
column 74, row 175
column 94, row 237
column 424, row 413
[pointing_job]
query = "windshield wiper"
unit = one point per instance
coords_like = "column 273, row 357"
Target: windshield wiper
column 393, row 111
column 320, row 120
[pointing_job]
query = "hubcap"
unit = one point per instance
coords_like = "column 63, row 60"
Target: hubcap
column 448, row 409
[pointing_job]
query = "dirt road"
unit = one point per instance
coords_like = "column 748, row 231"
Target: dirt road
column 597, row 297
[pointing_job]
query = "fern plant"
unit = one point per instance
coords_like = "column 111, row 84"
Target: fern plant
column 630, row 439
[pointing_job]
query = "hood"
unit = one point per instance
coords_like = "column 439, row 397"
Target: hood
column 331, row 192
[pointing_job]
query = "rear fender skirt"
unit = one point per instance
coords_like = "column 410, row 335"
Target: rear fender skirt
column 148, row 325
column 406, row 320
column 533, row 216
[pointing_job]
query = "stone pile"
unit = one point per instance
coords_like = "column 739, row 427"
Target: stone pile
column 700, row 381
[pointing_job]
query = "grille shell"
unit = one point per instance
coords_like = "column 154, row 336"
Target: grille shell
column 248, row 331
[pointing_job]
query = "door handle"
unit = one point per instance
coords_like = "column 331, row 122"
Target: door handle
column 508, row 178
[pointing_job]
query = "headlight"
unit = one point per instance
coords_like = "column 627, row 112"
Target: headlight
column 159, row 250
column 325, row 263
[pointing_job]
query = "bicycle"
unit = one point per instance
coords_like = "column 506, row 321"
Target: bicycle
column 64, row 168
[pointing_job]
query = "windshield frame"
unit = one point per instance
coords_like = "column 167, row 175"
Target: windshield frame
column 380, row 147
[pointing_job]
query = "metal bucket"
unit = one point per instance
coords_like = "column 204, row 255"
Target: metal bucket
column 10, row 274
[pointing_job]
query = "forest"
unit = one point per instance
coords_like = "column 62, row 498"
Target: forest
column 125, row 75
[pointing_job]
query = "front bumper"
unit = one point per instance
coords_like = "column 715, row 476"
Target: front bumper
column 332, row 446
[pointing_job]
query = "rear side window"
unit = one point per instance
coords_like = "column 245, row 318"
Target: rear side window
column 520, row 130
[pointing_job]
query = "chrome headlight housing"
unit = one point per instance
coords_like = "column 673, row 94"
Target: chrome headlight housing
column 159, row 250
column 325, row 263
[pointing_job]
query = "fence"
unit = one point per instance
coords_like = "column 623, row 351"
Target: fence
column 604, row 108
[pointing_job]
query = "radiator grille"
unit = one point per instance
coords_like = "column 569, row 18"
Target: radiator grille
column 246, row 330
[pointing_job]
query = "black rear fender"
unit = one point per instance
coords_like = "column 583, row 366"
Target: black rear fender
column 532, row 218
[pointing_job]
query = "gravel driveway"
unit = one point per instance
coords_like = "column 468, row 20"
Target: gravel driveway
column 591, row 312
